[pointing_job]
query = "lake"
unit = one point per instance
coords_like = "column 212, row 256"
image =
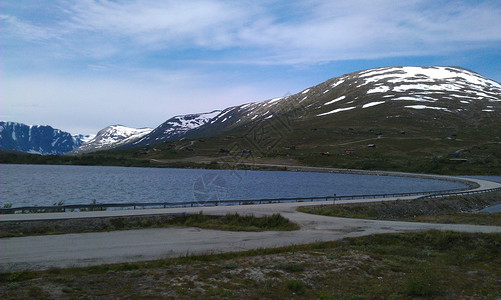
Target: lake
column 26, row 185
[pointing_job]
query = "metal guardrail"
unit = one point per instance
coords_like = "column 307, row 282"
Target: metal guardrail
column 442, row 194
column 104, row 206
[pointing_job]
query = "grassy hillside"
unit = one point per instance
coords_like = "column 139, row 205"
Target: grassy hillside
column 342, row 143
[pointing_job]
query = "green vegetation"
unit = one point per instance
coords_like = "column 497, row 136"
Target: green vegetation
column 493, row 219
column 230, row 222
column 439, row 265
column 442, row 210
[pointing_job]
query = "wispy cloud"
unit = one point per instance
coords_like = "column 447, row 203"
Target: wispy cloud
column 13, row 27
column 318, row 32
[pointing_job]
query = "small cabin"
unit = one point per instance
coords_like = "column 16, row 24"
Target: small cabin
column 349, row 151
column 456, row 153
column 459, row 160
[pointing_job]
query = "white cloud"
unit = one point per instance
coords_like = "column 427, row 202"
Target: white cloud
column 266, row 32
column 161, row 23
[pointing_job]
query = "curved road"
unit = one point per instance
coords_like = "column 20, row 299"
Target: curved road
column 85, row 249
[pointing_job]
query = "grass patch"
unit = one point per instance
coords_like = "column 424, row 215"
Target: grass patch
column 236, row 222
column 442, row 265
column 451, row 210
column 421, row 283
column 230, row 222
column 493, row 219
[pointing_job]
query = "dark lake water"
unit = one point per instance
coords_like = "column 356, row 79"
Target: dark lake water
column 24, row 185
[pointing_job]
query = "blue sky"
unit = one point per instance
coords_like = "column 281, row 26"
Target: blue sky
column 83, row 65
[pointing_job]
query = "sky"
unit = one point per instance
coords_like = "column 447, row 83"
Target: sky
column 82, row 65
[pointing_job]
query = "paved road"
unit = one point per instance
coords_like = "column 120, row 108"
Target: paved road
column 43, row 252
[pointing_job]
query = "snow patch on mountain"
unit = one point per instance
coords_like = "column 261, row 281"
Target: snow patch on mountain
column 378, row 89
column 371, row 104
column 427, row 107
column 427, row 80
column 336, row 111
column 335, row 100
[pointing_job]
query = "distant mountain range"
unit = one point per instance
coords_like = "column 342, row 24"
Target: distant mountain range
column 36, row 139
column 422, row 98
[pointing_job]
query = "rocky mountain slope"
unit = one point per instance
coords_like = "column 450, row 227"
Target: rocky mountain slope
column 452, row 91
column 36, row 139
column 111, row 137
column 175, row 128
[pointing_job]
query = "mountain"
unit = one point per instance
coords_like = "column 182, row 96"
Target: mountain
column 425, row 96
column 398, row 92
column 36, row 139
column 111, row 137
column 84, row 137
column 175, row 128
column 415, row 119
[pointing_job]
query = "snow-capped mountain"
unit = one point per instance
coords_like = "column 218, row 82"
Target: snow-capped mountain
column 397, row 93
column 36, row 139
column 111, row 137
column 451, row 90
column 175, row 128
